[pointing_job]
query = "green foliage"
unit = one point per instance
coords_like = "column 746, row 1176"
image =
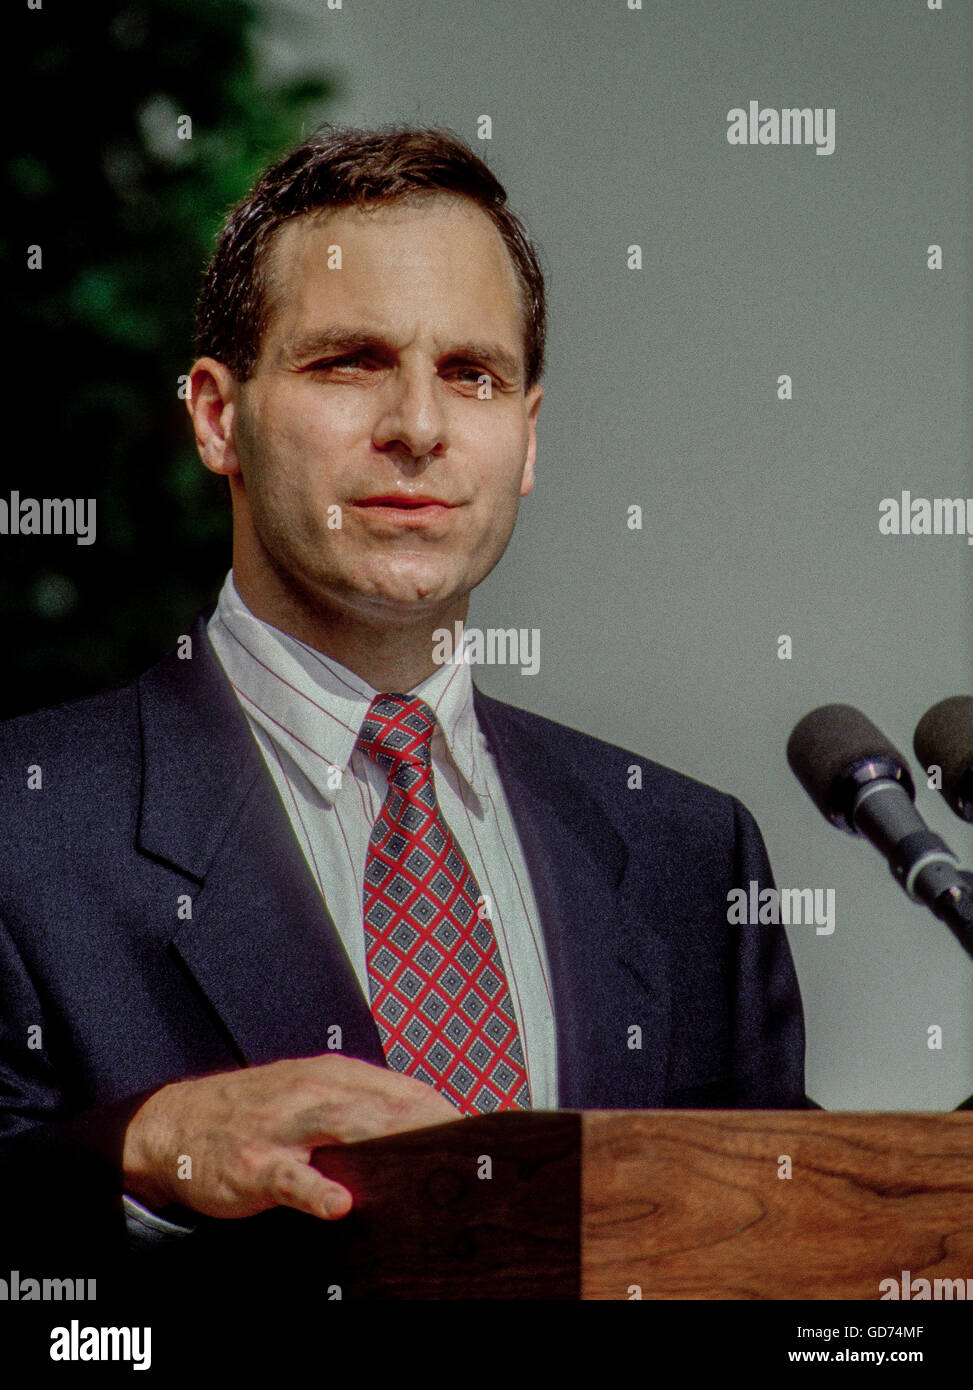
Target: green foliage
column 125, row 214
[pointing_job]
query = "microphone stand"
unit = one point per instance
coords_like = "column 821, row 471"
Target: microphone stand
column 955, row 908
column 965, row 934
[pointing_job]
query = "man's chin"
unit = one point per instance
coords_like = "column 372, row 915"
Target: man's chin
column 403, row 599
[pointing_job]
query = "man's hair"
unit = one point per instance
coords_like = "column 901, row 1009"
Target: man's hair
column 341, row 168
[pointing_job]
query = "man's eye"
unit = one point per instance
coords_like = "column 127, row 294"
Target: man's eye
column 356, row 359
column 472, row 374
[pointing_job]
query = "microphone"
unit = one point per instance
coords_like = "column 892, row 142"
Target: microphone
column 860, row 782
column 944, row 739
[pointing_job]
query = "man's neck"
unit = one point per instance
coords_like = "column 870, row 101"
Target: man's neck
column 389, row 656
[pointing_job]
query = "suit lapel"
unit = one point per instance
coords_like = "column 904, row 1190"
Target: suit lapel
column 260, row 944
column 608, row 963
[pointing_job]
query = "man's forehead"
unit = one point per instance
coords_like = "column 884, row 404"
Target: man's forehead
column 441, row 238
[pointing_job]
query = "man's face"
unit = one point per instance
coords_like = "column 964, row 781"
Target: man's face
column 366, row 403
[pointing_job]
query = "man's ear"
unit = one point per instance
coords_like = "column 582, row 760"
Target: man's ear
column 211, row 402
column 533, row 403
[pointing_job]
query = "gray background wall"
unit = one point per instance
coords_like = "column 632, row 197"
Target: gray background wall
column 760, row 516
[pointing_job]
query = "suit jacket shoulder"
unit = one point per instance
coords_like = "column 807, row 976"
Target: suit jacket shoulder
column 636, row 796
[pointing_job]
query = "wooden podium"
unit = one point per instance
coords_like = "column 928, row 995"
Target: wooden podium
column 678, row 1204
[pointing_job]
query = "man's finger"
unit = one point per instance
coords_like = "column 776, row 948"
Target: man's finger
column 297, row 1185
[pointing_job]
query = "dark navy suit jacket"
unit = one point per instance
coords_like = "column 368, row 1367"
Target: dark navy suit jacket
column 155, row 796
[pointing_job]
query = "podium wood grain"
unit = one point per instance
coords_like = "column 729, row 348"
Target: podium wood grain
column 683, row 1204
column 689, row 1204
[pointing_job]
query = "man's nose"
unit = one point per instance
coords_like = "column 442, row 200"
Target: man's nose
column 412, row 419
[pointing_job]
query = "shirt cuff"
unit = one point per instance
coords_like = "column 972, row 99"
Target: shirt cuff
column 148, row 1226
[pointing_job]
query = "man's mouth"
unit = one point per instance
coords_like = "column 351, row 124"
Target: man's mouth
column 391, row 514
column 399, row 502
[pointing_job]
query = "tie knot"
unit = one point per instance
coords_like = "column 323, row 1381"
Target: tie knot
column 397, row 730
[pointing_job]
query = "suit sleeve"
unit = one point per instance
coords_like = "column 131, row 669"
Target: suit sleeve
column 60, row 1194
column 760, row 1023
column 767, row 1016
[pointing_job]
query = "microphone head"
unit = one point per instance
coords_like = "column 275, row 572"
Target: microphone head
column 834, row 751
column 944, row 739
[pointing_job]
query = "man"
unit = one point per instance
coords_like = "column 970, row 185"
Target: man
column 302, row 882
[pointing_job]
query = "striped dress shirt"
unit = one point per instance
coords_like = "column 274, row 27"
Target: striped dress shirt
column 305, row 711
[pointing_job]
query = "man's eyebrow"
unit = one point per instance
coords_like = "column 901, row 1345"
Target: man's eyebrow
column 492, row 353
column 322, row 342
column 326, row 342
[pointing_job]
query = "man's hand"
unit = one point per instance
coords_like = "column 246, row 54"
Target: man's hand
column 249, row 1134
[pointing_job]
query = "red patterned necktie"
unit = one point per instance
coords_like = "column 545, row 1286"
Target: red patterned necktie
column 438, row 989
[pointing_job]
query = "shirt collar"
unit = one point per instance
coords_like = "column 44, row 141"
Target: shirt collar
column 313, row 707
